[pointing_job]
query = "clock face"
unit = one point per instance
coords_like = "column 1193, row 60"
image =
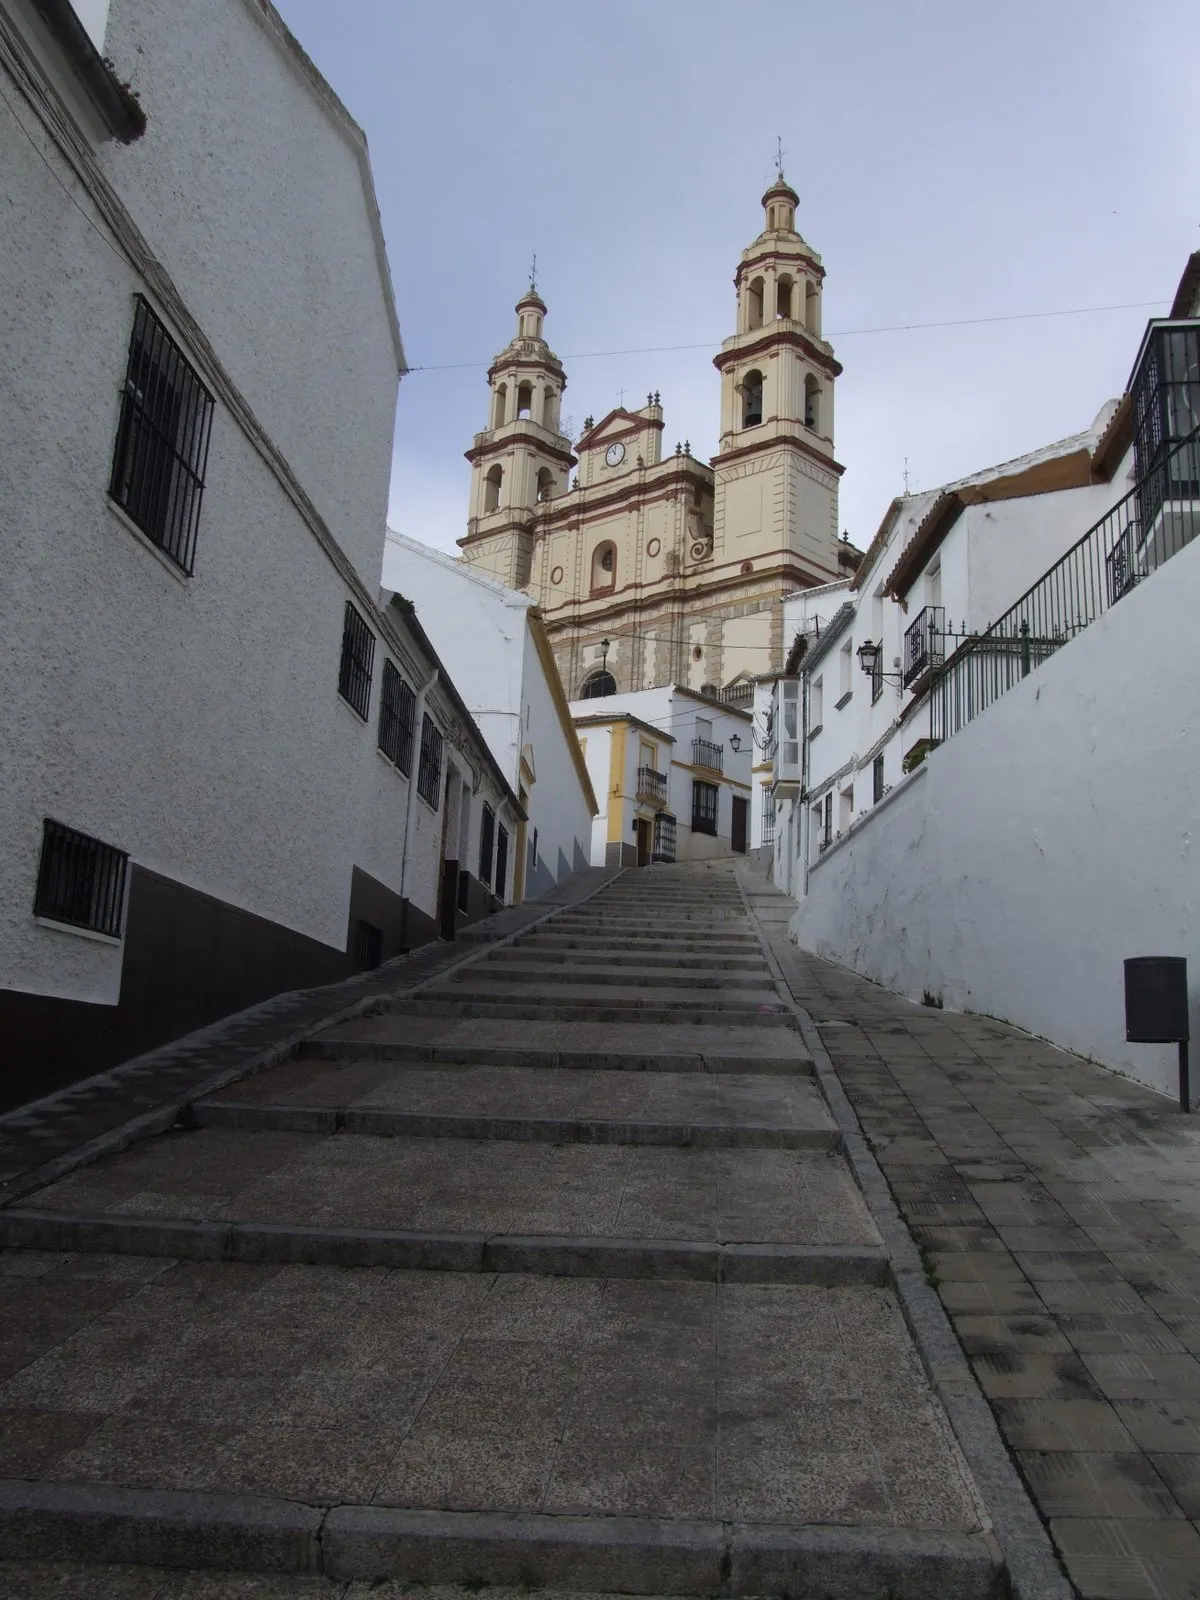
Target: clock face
column 614, row 455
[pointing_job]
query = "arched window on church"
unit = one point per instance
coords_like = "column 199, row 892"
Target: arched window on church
column 812, row 403
column 754, row 304
column 524, row 400
column 550, row 410
column 783, row 298
column 491, row 488
column 604, row 566
column 499, row 410
column 545, row 484
column 812, row 312
column 598, row 685
column 752, row 399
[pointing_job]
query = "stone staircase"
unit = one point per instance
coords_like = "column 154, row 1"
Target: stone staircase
column 553, row 1273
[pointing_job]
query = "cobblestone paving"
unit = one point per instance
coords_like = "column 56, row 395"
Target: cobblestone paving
column 1059, row 1208
column 710, row 1373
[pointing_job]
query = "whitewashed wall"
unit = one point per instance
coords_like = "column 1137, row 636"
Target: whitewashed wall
column 1055, row 836
column 559, row 806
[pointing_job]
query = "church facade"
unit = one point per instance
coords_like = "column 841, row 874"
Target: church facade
column 653, row 567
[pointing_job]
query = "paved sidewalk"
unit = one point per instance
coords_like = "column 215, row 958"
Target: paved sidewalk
column 1058, row 1209
column 35, row 1137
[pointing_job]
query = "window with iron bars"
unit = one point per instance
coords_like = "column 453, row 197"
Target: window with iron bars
column 705, row 798
column 487, row 839
column 429, row 773
column 161, row 450
column 501, row 861
column 358, row 662
column 877, row 780
column 80, row 880
column 368, row 946
column 397, row 718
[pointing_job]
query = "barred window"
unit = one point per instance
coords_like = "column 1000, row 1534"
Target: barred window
column 397, row 718
column 487, row 840
column 358, row 662
column 368, row 946
column 162, row 440
column 501, row 861
column 877, row 780
column 80, row 880
column 705, row 797
column 429, row 774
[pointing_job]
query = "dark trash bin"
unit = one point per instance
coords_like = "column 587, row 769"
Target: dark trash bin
column 1156, row 1008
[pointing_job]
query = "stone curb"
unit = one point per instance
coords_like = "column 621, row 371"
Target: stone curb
column 281, row 1049
column 547, row 1130
column 551, row 1255
column 455, row 1055
column 1033, row 1569
column 631, row 1555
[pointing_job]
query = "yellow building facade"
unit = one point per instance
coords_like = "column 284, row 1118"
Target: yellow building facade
column 653, row 567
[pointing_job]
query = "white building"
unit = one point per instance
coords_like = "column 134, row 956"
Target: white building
column 671, row 772
column 494, row 642
column 943, row 565
column 229, row 768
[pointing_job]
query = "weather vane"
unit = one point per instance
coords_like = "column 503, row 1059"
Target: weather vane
column 533, row 272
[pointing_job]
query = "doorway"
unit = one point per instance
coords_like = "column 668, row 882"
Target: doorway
column 643, row 841
column 737, row 829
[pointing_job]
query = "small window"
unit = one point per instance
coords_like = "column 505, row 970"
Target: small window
column 604, row 566
column 524, row 400
column 80, row 881
column 397, row 717
column 598, row 685
column 162, row 440
column 358, row 661
column 501, row 861
column 545, row 484
column 812, row 403
column 491, row 489
column 828, row 822
column 368, row 946
column 705, row 798
column 429, row 774
column 877, row 780
column 783, row 298
column 845, row 670
column 816, row 705
column 754, row 304
column 487, row 841
column 501, row 406
column 752, row 399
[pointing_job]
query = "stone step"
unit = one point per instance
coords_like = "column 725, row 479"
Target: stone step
column 597, row 1258
column 634, row 945
column 476, row 1187
column 643, row 1437
column 779, row 1110
column 512, row 972
column 689, row 1010
column 474, row 984
column 628, row 1047
column 619, row 956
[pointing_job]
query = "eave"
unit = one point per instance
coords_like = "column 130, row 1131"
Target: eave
column 114, row 104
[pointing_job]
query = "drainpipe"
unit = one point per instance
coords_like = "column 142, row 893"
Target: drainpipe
column 410, row 818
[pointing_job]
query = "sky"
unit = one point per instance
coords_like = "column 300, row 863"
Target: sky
column 978, row 166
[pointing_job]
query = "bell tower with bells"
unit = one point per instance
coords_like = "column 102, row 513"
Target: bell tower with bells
column 520, row 463
column 776, row 475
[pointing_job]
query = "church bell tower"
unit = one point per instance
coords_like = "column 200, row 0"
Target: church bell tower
column 776, row 476
column 520, row 462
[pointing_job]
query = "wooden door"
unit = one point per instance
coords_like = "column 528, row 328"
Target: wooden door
column 737, row 829
column 643, row 842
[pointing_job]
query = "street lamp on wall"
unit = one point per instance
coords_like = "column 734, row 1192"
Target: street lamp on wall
column 735, row 742
column 868, row 658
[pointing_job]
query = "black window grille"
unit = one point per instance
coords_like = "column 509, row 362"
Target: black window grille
column 501, row 861
column 162, row 440
column 358, row 661
column 487, row 840
column 397, row 718
column 597, row 686
column 877, row 780
column 663, row 848
column 80, row 881
column 827, row 828
column 705, row 798
column 429, row 773
column 368, row 946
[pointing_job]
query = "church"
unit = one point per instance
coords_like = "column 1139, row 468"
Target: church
column 651, row 567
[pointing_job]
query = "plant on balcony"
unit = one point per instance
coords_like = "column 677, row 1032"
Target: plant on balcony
column 917, row 754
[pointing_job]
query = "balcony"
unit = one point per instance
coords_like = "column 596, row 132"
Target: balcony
column 652, row 785
column 924, row 643
column 707, row 754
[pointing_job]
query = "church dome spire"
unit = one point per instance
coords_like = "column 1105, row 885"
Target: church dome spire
column 779, row 207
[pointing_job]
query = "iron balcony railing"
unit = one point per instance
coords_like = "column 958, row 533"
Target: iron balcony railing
column 924, row 643
column 1153, row 522
column 651, row 785
column 737, row 694
column 707, row 754
column 664, row 838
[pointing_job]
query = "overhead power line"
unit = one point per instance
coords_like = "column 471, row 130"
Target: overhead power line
column 844, row 333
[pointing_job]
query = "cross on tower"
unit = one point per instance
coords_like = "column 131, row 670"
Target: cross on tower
column 779, row 156
column 533, row 272
column 621, row 398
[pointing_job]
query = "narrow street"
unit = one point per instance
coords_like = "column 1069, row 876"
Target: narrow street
column 554, row 1272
